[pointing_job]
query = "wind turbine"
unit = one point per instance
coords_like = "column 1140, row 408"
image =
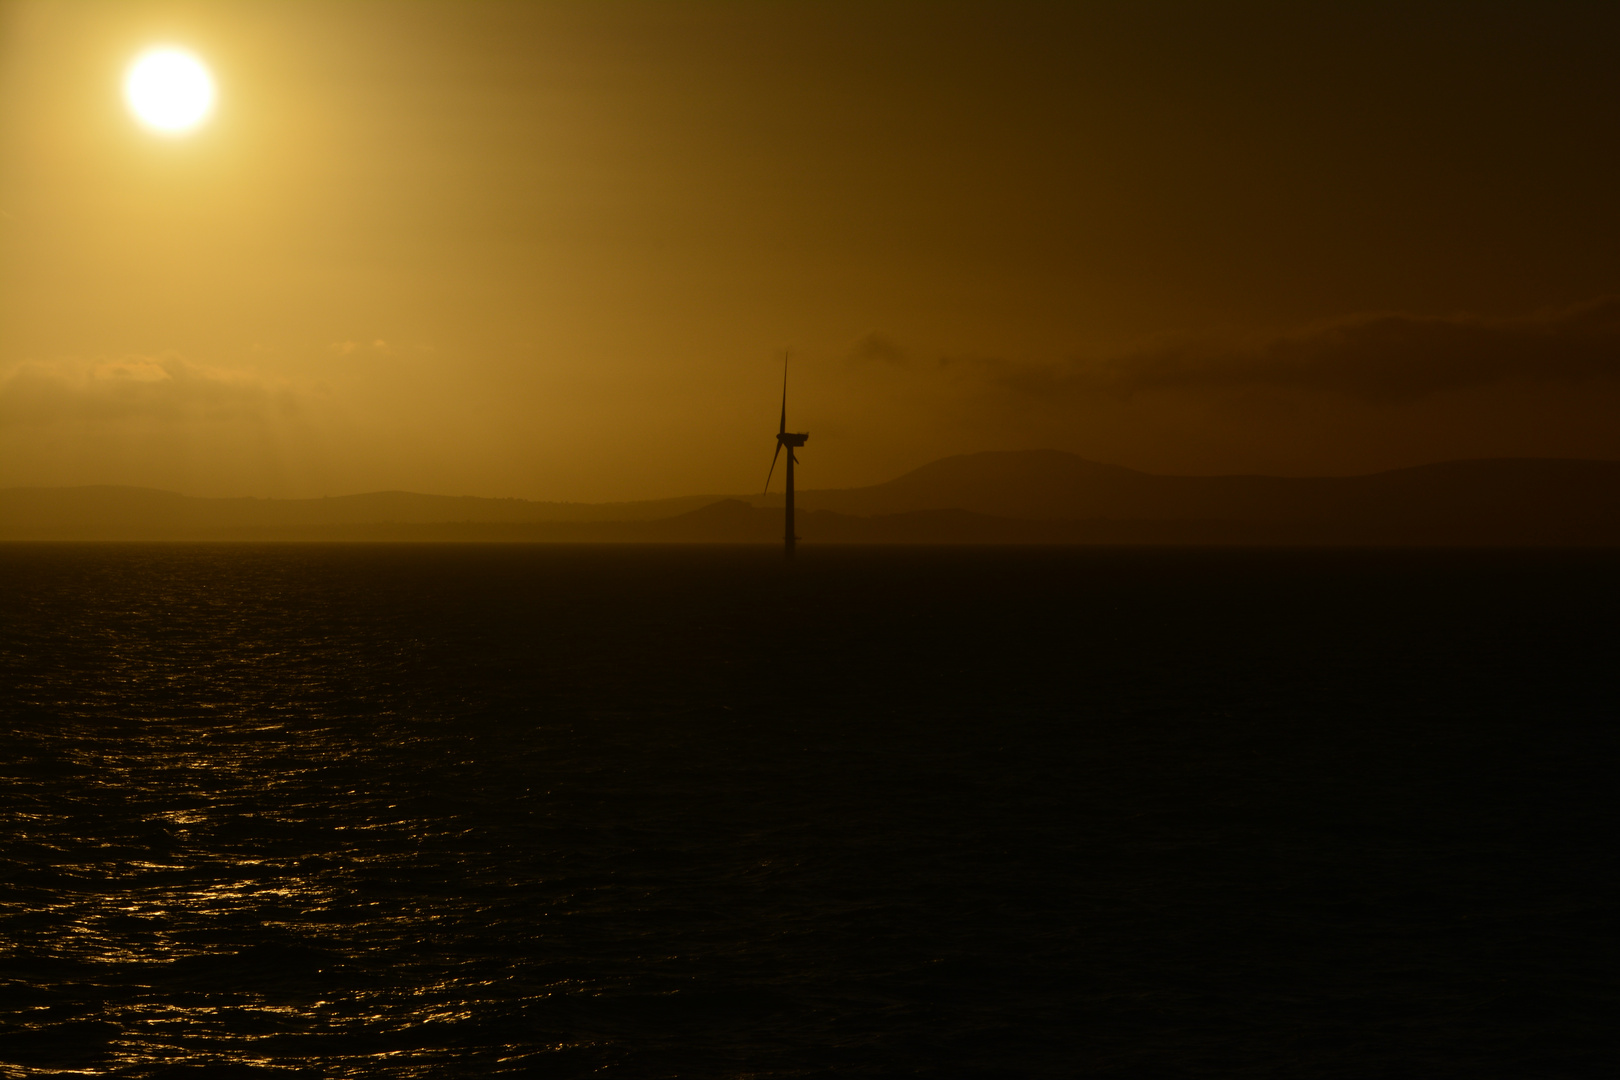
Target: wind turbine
column 789, row 439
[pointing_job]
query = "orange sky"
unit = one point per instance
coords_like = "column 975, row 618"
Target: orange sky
column 554, row 251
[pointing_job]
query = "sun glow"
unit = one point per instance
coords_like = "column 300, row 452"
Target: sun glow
column 169, row 91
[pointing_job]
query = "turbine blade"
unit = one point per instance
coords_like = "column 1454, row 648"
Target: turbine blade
column 773, row 468
column 783, row 429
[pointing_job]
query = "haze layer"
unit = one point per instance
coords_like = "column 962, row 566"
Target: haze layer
column 554, row 251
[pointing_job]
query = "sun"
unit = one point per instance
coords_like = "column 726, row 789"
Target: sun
column 169, row 90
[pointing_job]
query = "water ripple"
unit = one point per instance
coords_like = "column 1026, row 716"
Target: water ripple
column 366, row 812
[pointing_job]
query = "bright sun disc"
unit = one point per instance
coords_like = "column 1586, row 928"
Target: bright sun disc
column 169, row 90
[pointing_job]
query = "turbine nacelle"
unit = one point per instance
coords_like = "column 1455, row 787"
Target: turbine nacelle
column 789, row 438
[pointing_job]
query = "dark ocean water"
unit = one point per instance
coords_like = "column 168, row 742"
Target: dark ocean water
column 441, row 811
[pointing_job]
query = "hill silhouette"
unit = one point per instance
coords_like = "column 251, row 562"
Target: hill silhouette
column 1050, row 484
column 1040, row 496
column 100, row 511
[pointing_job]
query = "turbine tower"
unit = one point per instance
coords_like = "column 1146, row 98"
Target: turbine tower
column 789, row 439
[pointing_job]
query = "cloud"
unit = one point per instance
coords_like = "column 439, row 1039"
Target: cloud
column 878, row 348
column 379, row 347
column 1371, row 358
column 167, row 387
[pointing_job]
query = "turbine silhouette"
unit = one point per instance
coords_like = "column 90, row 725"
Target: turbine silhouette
column 789, row 440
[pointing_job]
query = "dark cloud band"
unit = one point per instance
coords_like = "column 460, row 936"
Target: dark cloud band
column 1374, row 358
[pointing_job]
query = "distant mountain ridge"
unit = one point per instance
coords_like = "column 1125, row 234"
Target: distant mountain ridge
column 1051, row 484
column 111, row 505
column 1037, row 496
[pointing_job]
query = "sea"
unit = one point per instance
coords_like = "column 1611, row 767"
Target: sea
column 431, row 811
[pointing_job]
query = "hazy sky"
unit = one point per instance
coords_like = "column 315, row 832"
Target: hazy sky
column 555, row 250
